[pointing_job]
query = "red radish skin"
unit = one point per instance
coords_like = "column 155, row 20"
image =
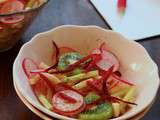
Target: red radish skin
column 12, row 19
column 100, row 70
column 11, row 6
column 92, row 64
column 106, row 75
column 108, row 60
column 62, row 86
column 70, row 114
column 118, row 73
column 68, row 99
column 54, row 57
column 28, row 65
column 68, row 109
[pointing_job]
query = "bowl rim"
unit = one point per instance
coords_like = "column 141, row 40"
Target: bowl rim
column 84, row 27
column 28, row 105
column 25, row 11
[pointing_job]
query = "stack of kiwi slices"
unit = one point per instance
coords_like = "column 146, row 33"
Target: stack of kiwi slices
column 102, row 111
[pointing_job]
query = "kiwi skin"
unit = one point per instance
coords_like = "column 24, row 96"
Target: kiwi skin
column 66, row 59
column 103, row 111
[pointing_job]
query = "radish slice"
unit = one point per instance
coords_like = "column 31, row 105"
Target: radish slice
column 12, row 19
column 28, row 65
column 61, row 106
column 68, row 99
column 108, row 60
column 11, row 6
column 55, row 57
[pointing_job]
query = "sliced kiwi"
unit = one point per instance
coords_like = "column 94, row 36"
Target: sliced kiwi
column 68, row 58
column 103, row 111
column 91, row 97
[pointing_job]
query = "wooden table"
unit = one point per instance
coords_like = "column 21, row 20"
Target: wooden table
column 58, row 12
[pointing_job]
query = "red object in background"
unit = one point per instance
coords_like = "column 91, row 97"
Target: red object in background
column 121, row 5
column 11, row 19
column 11, row 6
column 1, row 28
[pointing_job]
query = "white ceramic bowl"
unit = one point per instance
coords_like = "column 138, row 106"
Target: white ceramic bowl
column 136, row 64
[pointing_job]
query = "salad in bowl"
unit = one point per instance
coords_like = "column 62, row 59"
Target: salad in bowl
column 87, row 87
column 85, row 73
column 15, row 17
